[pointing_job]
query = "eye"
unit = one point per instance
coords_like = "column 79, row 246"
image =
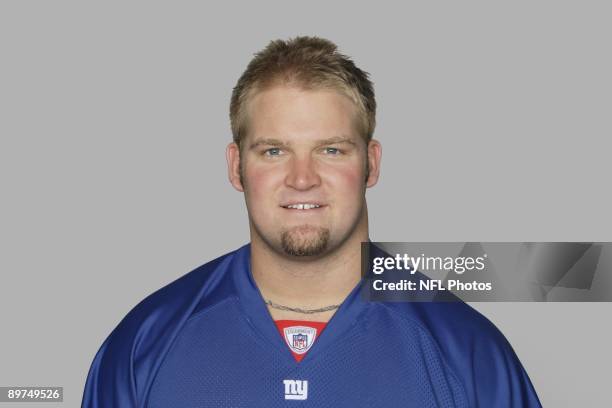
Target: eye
column 275, row 151
column 332, row 151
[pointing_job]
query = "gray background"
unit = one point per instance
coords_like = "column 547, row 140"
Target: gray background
column 114, row 120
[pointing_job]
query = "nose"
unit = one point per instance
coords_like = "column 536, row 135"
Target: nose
column 302, row 174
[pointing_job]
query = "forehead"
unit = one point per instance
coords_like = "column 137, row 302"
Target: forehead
column 293, row 114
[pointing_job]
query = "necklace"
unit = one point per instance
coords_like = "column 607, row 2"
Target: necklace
column 302, row 311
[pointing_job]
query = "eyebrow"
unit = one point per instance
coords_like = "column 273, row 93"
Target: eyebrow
column 336, row 140
column 267, row 142
column 280, row 143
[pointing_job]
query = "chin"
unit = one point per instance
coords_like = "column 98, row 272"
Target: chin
column 305, row 240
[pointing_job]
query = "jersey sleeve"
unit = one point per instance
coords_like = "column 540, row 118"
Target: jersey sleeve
column 125, row 365
column 478, row 355
column 110, row 381
column 498, row 377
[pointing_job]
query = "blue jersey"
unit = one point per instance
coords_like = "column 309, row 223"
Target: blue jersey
column 208, row 340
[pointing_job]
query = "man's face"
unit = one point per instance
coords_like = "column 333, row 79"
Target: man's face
column 303, row 170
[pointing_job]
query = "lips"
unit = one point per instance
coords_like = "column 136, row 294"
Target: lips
column 305, row 205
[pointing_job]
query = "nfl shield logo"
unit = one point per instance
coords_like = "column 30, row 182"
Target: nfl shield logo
column 300, row 338
column 300, row 341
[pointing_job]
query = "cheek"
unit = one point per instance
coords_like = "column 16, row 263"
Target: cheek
column 347, row 189
column 349, row 180
column 260, row 183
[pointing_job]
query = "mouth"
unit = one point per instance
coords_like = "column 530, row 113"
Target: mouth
column 303, row 206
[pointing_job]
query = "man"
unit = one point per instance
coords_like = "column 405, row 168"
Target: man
column 279, row 322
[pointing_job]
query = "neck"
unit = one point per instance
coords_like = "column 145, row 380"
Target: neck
column 307, row 283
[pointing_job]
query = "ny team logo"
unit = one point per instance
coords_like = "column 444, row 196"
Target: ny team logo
column 296, row 389
column 300, row 338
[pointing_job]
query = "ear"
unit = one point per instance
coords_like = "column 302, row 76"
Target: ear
column 232, row 155
column 374, row 157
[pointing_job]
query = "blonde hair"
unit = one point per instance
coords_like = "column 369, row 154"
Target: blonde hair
column 309, row 63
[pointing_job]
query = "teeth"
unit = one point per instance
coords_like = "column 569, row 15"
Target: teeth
column 303, row 206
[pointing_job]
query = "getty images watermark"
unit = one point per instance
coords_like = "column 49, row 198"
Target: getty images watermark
column 487, row 271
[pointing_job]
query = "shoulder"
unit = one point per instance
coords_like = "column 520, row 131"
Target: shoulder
column 129, row 357
column 474, row 350
column 455, row 327
column 454, row 322
column 183, row 294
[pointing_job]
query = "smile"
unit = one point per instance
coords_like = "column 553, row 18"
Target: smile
column 302, row 206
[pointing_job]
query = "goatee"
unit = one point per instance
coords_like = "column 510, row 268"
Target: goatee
column 305, row 240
